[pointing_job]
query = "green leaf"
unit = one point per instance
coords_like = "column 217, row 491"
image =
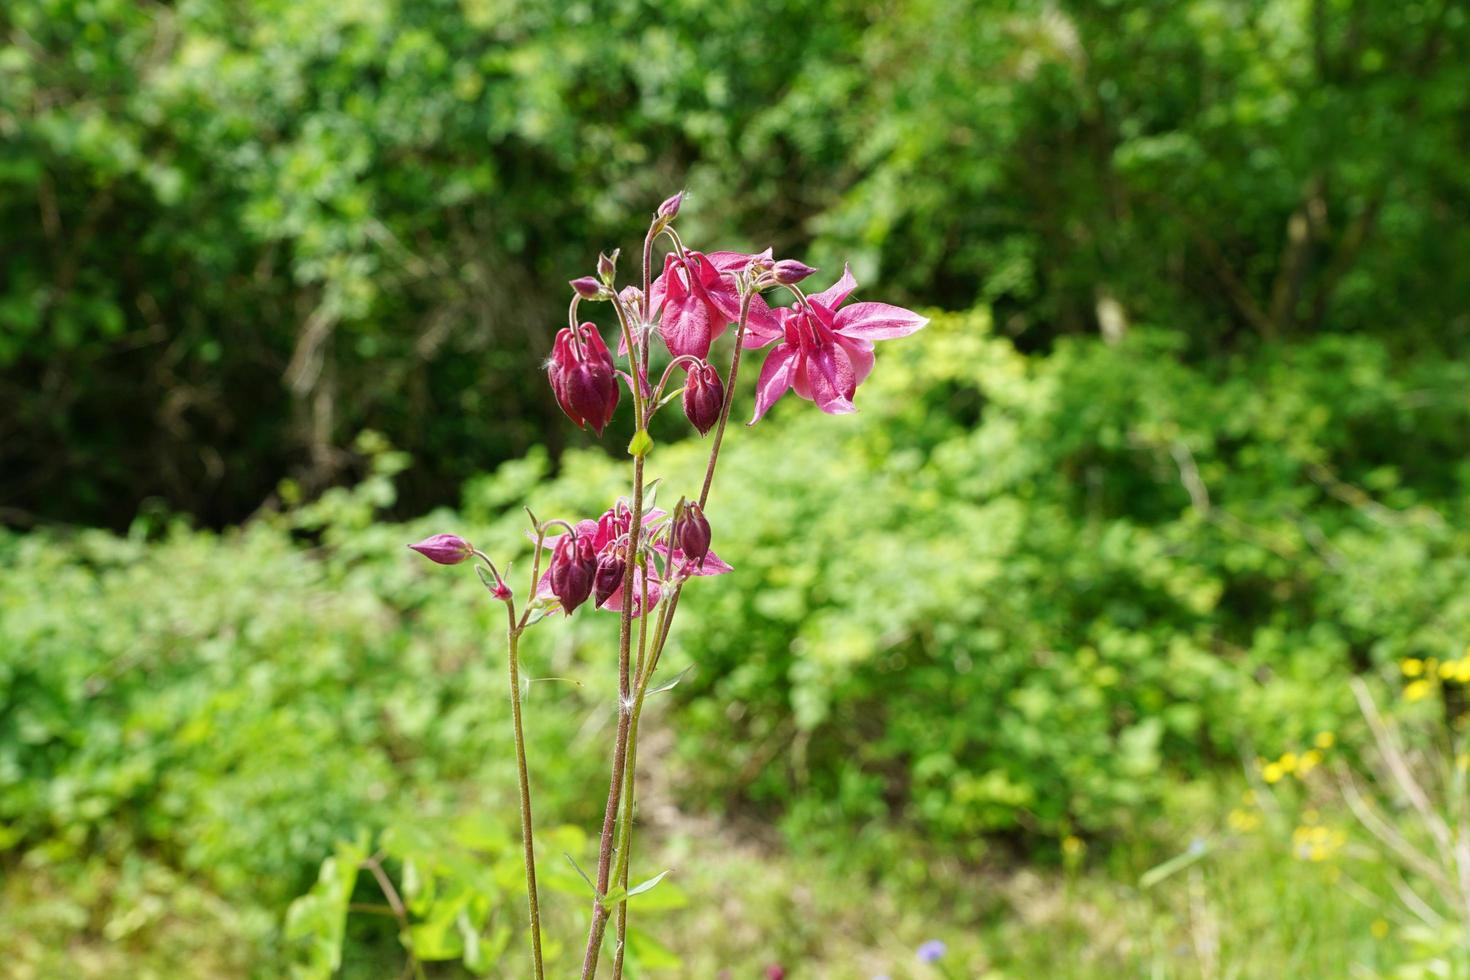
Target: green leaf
column 641, row 444
column 673, row 683
column 648, row 885
column 578, row 868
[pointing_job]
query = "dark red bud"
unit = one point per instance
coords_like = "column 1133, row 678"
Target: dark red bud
column 583, row 377
column 609, row 576
column 692, row 534
column 572, row 567
column 587, row 287
column 704, row 396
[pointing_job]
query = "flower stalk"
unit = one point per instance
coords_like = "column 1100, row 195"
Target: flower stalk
column 630, row 561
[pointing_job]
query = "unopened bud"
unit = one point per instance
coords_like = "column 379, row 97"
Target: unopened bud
column 704, row 396
column 607, row 267
column 583, row 377
column 692, row 534
column 609, row 576
column 446, row 549
column 669, row 210
column 587, row 287
column 572, row 568
column 789, row 272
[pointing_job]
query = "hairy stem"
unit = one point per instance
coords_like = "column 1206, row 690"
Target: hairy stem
column 620, row 750
column 714, row 449
column 630, row 782
column 513, row 636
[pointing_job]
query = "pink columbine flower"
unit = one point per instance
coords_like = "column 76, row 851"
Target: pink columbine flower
column 446, row 549
column 583, row 377
column 698, row 298
column 826, row 349
column 609, row 533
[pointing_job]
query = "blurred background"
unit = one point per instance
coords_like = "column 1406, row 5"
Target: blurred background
column 1123, row 631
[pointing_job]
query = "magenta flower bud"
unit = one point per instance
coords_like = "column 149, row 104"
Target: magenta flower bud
column 789, row 272
column 572, row 568
column 704, row 396
column 608, row 577
column 446, row 549
column 669, row 210
column 587, row 287
column 692, row 534
column 583, row 377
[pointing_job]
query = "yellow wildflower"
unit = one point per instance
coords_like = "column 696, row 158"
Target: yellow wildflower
column 1324, row 740
column 1316, row 843
column 1418, row 690
column 1073, row 846
column 1311, row 759
column 1243, row 821
column 1412, row 667
column 1448, row 668
column 1287, row 762
column 1272, row 773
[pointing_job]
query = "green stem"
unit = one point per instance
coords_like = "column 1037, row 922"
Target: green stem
column 513, row 636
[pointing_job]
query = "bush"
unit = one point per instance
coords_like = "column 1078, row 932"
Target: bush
column 1014, row 596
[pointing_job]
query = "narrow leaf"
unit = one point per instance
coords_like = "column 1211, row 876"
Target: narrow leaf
column 673, row 683
column 578, row 868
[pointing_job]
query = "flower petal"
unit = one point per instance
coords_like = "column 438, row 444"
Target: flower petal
column 834, row 295
column 776, row 376
column 729, row 262
column 614, row 602
column 877, row 321
column 686, row 327
column 860, row 353
column 830, row 377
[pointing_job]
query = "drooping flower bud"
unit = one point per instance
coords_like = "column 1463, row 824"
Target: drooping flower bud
column 583, row 377
column 704, row 396
column 446, row 549
column 609, row 575
column 692, row 534
column 669, row 210
column 572, row 568
column 789, row 272
column 587, row 287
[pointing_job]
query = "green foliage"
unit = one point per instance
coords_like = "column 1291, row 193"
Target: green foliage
column 237, row 235
column 1027, row 595
column 1014, row 596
